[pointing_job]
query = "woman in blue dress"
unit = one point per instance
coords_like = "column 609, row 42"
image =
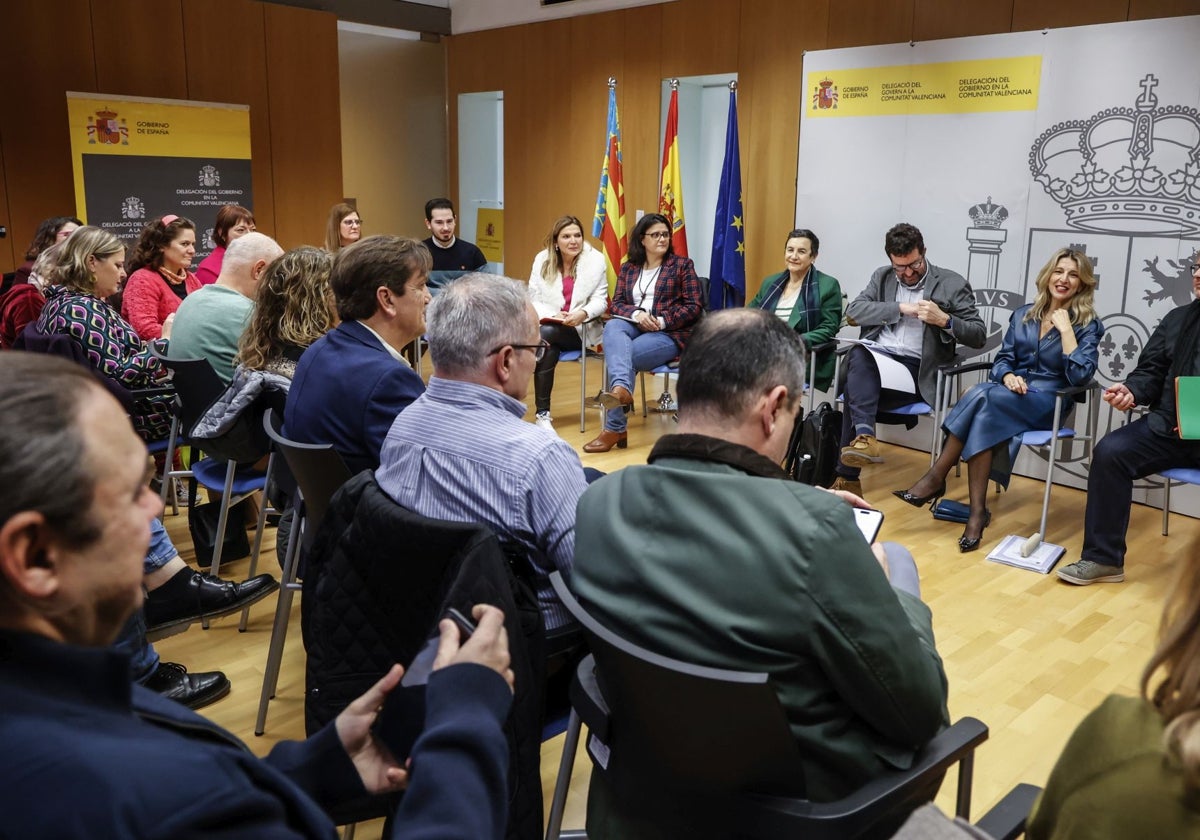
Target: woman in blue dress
column 1050, row 344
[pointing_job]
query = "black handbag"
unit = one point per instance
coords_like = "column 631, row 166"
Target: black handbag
column 813, row 450
column 202, row 523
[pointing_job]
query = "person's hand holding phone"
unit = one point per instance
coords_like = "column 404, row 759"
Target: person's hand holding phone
column 487, row 646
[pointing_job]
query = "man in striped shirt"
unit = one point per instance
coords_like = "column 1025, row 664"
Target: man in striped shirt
column 462, row 452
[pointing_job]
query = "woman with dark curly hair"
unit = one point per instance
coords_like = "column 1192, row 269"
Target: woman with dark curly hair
column 159, row 279
column 233, row 222
column 50, row 232
column 294, row 309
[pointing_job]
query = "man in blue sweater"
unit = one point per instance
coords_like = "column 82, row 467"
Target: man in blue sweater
column 88, row 753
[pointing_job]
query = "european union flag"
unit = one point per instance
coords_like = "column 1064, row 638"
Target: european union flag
column 727, row 270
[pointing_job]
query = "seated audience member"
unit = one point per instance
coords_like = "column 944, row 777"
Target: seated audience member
column 210, row 323
column 1143, row 447
column 1051, row 343
column 294, row 308
column 656, row 305
column 461, row 452
column 350, row 385
column 343, row 228
column 917, row 313
column 90, row 754
column 449, row 252
column 568, row 287
column 233, row 221
column 837, row 623
column 1131, row 768
column 159, row 279
column 23, row 303
column 166, row 679
column 90, row 268
column 50, row 232
column 807, row 300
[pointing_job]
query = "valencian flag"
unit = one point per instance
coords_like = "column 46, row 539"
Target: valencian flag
column 609, row 223
column 670, row 191
column 727, row 286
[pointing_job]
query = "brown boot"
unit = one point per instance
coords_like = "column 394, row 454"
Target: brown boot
column 615, row 398
column 606, row 441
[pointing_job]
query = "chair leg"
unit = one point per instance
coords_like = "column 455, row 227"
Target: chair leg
column 1166, row 503
column 222, row 523
column 966, row 775
column 583, row 389
column 168, row 483
column 563, row 784
column 258, row 535
column 283, row 612
column 348, row 832
column 642, row 379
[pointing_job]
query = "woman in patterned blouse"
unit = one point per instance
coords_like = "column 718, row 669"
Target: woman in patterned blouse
column 90, row 267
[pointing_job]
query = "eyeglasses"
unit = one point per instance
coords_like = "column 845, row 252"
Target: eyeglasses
column 1195, row 267
column 538, row 350
column 658, row 234
column 352, row 222
column 916, row 266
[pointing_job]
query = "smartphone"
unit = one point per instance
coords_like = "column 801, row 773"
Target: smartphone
column 869, row 522
column 466, row 627
column 421, row 667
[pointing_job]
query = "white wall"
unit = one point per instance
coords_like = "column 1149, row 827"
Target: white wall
column 480, row 160
column 474, row 15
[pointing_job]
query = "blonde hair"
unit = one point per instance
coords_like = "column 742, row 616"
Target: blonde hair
column 553, row 266
column 333, row 230
column 72, row 270
column 1082, row 307
column 293, row 307
column 1177, row 694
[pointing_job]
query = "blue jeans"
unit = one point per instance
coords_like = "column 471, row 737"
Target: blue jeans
column 627, row 350
column 161, row 550
column 143, row 659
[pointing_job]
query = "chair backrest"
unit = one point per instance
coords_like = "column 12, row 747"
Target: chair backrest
column 704, row 733
column 317, row 469
column 196, row 385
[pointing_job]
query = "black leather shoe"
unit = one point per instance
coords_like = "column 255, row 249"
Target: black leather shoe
column 191, row 596
column 195, row 691
column 921, row 501
column 966, row 543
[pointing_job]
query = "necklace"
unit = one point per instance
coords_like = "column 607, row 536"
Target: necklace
column 646, row 282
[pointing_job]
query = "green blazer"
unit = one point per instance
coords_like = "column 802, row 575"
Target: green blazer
column 817, row 315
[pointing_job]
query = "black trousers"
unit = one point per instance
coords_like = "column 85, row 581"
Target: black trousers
column 559, row 338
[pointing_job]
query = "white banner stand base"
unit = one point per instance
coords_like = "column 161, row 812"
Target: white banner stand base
column 1036, row 556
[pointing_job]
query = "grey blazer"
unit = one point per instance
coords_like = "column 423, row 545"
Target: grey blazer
column 876, row 307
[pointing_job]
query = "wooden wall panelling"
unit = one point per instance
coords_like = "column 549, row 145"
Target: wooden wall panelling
column 50, row 54
column 227, row 62
column 140, row 49
column 774, row 36
column 1143, row 9
column 857, row 23
column 699, row 36
column 597, row 52
column 936, row 19
column 1037, row 14
column 640, row 102
column 306, row 145
column 8, row 245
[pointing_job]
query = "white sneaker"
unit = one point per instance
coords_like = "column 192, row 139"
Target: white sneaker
column 545, row 421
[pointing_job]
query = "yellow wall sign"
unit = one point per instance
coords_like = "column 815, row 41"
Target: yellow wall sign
column 951, row 87
column 489, row 233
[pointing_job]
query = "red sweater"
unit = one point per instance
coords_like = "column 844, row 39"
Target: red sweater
column 148, row 301
column 20, row 305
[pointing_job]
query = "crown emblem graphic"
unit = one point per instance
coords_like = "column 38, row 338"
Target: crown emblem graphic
column 1125, row 170
column 988, row 214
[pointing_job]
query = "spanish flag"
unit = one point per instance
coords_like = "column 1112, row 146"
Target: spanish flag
column 670, row 193
column 609, row 223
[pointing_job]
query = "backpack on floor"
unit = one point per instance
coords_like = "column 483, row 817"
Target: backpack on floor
column 812, row 452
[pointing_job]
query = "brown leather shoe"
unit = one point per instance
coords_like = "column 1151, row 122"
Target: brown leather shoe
column 606, row 441
column 616, row 397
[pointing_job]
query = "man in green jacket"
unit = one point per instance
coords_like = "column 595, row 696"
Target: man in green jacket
column 759, row 573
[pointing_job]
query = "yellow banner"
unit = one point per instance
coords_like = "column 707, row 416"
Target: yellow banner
column 489, row 233
column 131, row 125
column 952, row 87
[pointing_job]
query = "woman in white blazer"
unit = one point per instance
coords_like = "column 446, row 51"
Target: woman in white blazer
column 569, row 291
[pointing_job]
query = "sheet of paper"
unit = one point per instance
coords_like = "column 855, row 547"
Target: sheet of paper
column 892, row 375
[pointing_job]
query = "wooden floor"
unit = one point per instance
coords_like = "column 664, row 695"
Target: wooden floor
column 1025, row 653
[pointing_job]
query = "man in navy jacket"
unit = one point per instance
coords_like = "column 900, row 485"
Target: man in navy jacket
column 89, row 754
column 351, row 383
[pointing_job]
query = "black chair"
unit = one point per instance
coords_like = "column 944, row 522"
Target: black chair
column 711, row 751
column 317, row 471
column 197, row 387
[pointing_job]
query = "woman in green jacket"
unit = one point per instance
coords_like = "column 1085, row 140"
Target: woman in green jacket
column 808, row 300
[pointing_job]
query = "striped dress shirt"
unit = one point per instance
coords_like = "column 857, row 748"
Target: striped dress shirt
column 461, row 452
